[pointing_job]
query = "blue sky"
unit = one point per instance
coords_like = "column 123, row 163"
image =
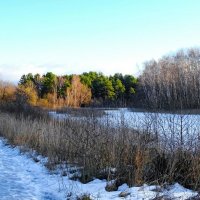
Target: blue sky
column 72, row 36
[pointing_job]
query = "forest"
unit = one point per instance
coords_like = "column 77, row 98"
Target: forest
column 172, row 82
column 73, row 90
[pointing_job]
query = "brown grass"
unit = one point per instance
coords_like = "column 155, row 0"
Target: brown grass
column 138, row 156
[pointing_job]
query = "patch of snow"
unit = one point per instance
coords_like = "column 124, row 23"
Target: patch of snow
column 177, row 192
column 22, row 178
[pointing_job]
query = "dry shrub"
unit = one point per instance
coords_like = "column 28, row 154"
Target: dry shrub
column 137, row 157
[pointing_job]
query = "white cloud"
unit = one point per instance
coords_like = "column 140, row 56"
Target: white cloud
column 14, row 72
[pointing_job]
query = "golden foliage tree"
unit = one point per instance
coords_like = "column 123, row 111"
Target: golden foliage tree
column 78, row 94
column 7, row 91
column 27, row 94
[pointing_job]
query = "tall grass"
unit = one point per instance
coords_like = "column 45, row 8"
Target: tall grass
column 116, row 153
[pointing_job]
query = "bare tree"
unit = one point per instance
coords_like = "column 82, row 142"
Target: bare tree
column 173, row 81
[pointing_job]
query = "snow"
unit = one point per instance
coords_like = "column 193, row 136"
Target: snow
column 179, row 129
column 142, row 120
column 21, row 178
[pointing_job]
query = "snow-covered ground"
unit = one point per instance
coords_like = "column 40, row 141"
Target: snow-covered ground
column 129, row 118
column 188, row 125
column 23, row 179
column 151, row 119
column 179, row 129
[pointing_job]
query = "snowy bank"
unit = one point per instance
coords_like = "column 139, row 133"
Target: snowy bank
column 22, row 178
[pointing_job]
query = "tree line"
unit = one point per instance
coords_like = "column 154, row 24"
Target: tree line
column 171, row 82
column 50, row 90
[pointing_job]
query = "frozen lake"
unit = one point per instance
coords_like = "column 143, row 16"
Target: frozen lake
column 179, row 129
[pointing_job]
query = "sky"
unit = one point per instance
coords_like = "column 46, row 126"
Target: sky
column 109, row 36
